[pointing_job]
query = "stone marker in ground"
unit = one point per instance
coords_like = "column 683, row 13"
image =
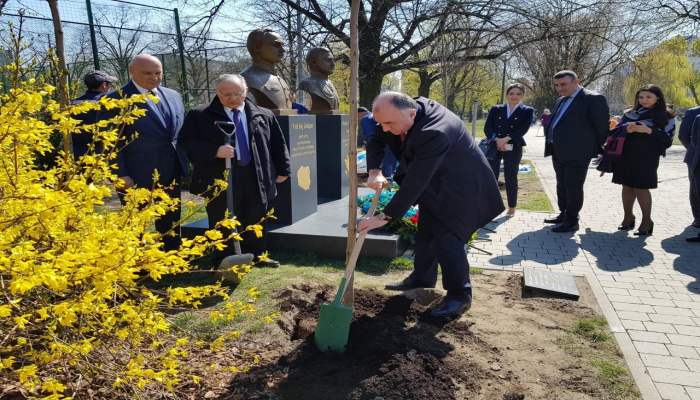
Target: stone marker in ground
column 550, row 282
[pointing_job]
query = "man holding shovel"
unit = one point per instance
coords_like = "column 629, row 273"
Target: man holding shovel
column 444, row 172
column 259, row 156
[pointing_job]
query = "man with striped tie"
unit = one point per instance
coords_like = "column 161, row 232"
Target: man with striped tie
column 260, row 159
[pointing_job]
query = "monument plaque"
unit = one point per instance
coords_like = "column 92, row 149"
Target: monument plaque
column 332, row 156
column 550, row 282
column 297, row 196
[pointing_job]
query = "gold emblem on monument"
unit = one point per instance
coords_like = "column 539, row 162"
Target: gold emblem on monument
column 347, row 164
column 304, row 177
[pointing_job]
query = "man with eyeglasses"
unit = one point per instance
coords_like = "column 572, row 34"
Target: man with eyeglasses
column 97, row 83
column 259, row 156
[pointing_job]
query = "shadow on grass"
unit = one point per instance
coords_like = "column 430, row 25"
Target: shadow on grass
column 367, row 265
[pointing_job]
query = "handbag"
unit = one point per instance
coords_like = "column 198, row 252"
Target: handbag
column 488, row 147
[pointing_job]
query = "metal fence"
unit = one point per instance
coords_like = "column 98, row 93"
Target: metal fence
column 106, row 34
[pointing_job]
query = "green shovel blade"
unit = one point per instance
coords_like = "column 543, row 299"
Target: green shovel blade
column 333, row 326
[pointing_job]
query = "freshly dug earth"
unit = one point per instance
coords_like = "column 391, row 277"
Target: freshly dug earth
column 507, row 347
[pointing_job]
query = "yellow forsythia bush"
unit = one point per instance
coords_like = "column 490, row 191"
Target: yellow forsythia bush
column 72, row 311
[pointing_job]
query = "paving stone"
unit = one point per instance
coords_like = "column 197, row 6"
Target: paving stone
column 673, row 376
column 689, row 330
column 617, row 291
column 631, row 324
column 674, row 311
column 644, row 336
column 651, row 348
column 693, row 392
column 621, row 285
column 683, row 351
column 662, row 295
column 659, row 327
column 670, row 362
column 693, row 365
column 683, row 340
column 672, row 392
column 632, row 307
column 624, row 299
column 672, row 319
column 633, row 315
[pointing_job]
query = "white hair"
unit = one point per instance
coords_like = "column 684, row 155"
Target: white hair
column 234, row 78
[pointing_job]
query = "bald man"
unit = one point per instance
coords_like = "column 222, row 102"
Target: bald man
column 444, row 172
column 155, row 147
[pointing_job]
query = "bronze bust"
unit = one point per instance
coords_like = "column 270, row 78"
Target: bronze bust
column 324, row 97
column 268, row 90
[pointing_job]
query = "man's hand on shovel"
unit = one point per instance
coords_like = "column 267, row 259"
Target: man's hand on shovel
column 375, row 222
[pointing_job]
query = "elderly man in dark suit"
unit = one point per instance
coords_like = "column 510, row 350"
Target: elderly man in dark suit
column 262, row 160
column 445, row 173
column 576, row 134
column 684, row 135
column 694, row 165
column 156, row 146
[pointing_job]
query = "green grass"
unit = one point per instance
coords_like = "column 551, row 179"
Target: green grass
column 531, row 195
column 479, row 127
column 591, row 340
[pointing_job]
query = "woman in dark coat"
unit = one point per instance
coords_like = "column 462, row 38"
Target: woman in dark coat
column 509, row 122
column 650, row 126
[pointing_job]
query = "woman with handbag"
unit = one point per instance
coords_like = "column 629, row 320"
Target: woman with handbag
column 509, row 122
column 650, row 126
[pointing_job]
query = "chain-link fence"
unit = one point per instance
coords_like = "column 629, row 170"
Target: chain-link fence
column 107, row 34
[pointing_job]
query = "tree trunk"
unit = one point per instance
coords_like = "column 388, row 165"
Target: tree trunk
column 62, row 68
column 370, row 87
column 425, row 83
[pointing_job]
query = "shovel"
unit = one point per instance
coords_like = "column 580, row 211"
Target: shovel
column 333, row 326
column 237, row 259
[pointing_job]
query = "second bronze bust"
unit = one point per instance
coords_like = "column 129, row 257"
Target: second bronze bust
column 324, row 97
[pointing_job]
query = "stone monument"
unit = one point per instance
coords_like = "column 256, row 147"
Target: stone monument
column 265, row 87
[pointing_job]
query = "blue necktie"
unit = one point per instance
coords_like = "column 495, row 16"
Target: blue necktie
column 241, row 142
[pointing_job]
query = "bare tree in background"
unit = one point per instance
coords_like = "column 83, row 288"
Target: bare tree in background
column 119, row 44
column 594, row 40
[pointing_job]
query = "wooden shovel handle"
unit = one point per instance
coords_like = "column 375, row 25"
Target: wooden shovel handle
column 358, row 244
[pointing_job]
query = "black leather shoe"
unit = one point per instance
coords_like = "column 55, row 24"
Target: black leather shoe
column 408, row 284
column 451, row 308
column 565, row 227
column 693, row 239
column 696, row 223
column 623, row 227
column 268, row 264
column 558, row 220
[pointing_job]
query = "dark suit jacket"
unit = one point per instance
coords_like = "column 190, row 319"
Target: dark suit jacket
column 694, row 162
column 441, row 169
column 516, row 126
column 156, row 146
column 581, row 132
column 201, row 139
column 82, row 140
column 685, row 131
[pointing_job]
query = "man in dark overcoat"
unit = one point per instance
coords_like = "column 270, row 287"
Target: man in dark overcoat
column 577, row 133
column 444, row 172
column 151, row 142
column 694, row 166
column 260, row 160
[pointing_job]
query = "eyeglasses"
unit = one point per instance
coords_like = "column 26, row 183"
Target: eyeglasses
column 239, row 94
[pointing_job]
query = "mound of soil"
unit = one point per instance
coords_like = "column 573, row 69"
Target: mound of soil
column 505, row 348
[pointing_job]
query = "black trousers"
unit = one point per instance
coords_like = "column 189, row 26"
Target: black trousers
column 571, row 175
column 694, row 196
column 248, row 207
column 511, row 164
column 167, row 220
column 436, row 244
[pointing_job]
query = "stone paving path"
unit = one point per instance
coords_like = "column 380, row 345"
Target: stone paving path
column 648, row 287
